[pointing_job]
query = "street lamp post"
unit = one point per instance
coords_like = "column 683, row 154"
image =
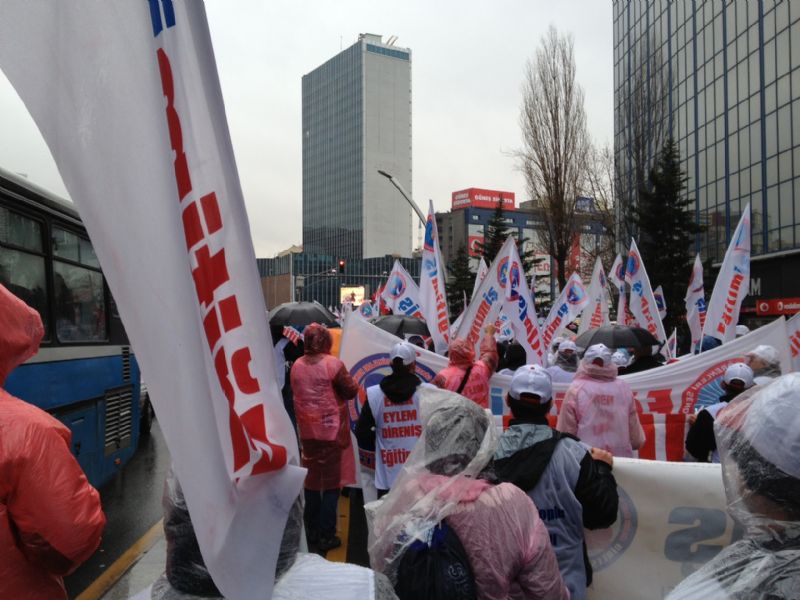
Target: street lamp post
column 400, row 189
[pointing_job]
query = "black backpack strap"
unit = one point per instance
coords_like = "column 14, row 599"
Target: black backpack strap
column 464, row 381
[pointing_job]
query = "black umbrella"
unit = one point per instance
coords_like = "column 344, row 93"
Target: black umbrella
column 301, row 314
column 617, row 336
column 400, row 325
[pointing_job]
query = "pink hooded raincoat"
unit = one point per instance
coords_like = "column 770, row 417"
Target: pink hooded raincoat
column 50, row 517
column 600, row 410
column 461, row 355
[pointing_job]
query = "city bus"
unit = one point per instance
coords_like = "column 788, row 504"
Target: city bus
column 85, row 373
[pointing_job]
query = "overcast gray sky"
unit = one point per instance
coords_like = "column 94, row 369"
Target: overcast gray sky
column 468, row 58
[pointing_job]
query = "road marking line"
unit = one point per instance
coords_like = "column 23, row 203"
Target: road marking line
column 120, row 566
column 340, row 554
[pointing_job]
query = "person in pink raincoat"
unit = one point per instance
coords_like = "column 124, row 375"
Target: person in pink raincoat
column 449, row 478
column 322, row 385
column 599, row 407
column 464, row 374
column 50, row 517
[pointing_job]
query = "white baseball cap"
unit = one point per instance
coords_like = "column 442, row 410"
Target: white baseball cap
column 742, row 330
column 741, row 372
column 531, row 379
column 766, row 353
column 596, row 351
column 567, row 345
column 405, row 351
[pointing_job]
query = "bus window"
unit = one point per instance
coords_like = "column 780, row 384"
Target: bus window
column 22, row 271
column 73, row 247
column 79, row 304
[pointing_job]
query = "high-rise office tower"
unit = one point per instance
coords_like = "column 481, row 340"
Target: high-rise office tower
column 356, row 120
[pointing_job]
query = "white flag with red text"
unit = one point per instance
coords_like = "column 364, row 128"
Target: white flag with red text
column 127, row 97
column 572, row 300
column 433, row 296
column 596, row 312
column 482, row 271
column 617, row 276
column 732, row 285
column 642, row 302
column 517, row 303
column 661, row 302
column 695, row 301
column 400, row 294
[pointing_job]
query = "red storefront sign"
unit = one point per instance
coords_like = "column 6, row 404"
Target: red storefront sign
column 475, row 245
column 480, row 198
column 777, row 306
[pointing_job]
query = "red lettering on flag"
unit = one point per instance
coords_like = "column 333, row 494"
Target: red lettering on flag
column 182, row 177
column 210, row 274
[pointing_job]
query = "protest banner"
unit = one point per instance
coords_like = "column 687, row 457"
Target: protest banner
column 433, row 297
column 732, row 285
column 572, row 300
column 695, row 301
column 642, row 303
column 596, row 312
column 671, row 521
column 518, row 304
column 127, row 98
column 401, row 294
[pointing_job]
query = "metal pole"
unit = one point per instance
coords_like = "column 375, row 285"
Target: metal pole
column 400, row 189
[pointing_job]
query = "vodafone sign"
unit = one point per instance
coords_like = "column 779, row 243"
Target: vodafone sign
column 480, row 198
column 777, row 306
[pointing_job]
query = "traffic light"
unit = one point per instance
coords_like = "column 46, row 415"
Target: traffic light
column 341, row 265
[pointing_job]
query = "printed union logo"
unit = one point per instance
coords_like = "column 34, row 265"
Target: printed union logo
column 502, row 272
column 621, row 271
column 633, row 265
column 429, row 234
column 602, row 279
column 575, row 293
column 397, row 286
column 605, row 546
column 706, row 388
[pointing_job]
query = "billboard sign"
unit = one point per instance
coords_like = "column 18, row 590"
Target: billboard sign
column 353, row 294
column 480, row 198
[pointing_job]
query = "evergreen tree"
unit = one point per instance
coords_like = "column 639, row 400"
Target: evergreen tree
column 461, row 280
column 667, row 232
column 496, row 234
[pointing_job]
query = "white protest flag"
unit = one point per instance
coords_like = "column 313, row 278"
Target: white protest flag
column 401, row 294
column 617, row 276
column 518, row 306
column 793, row 335
column 367, row 310
column 695, row 301
column 572, row 300
column 485, row 306
column 661, row 302
column 433, row 297
column 596, row 312
column 668, row 350
column 127, row 97
column 482, row 271
column 732, row 285
column 642, row 302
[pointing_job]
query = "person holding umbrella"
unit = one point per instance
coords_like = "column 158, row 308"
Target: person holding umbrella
column 322, row 385
column 599, row 407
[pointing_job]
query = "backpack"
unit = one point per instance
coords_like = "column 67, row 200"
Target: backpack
column 436, row 567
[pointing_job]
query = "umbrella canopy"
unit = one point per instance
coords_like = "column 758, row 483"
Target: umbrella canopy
column 401, row 325
column 617, row 336
column 301, row 314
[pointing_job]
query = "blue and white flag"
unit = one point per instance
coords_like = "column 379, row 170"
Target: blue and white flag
column 433, row 296
column 518, row 305
column 572, row 300
column 401, row 294
column 642, row 301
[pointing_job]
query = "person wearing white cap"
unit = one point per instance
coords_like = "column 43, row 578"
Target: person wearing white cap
column 742, row 330
column 599, row 407
column 570, row 483
column 700, row 440
column 566, row 363
column 390, row 421
column 758, row 436
column 765, row 362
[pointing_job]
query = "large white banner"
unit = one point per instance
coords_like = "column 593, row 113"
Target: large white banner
column 695, row 301
column 433, row 297
column 642, row 301
column 596, row 312
column 401, row 294
column 127, row 98
column 665, row 396
column 572, row 300
column 518, row 304
column 671, row 521
column 732, row 285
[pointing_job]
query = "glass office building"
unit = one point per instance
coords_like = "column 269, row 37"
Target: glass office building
column 356, row 120
column 730, row 73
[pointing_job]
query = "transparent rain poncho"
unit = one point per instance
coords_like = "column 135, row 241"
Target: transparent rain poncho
column 457, row 443
column 758, row 437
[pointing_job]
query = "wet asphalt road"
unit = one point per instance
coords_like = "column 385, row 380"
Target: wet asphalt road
column 132, row 503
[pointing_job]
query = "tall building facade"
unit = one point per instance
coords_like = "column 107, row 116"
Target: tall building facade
column 357, row 120
column 723, row 78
